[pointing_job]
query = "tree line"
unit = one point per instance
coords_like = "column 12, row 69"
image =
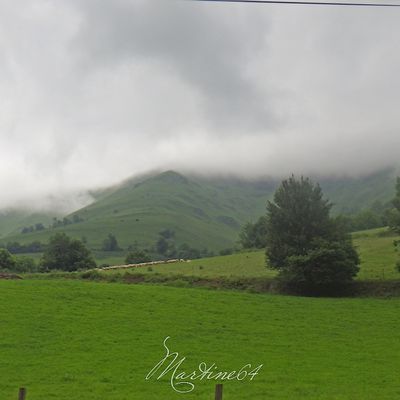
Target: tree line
column 57, row 223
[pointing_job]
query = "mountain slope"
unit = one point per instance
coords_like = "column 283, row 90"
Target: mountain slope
column 12, row 221
column 202, row 212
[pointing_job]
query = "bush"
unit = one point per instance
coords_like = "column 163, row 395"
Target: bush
column 25, row 264
column 7, row 261
column 137, row 257
column 327, row 264
column 66, row 254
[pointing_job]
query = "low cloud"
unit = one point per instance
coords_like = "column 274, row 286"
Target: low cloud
column 96, row 91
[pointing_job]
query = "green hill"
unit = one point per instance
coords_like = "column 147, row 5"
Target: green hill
column 203, row 212
column 13, row 221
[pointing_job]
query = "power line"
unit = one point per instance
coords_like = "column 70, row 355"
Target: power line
column 303, row 3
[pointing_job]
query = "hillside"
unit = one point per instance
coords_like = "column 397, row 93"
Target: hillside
column 12, row 221
column 202, row 212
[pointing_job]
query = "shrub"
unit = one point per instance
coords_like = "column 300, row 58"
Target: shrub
column 7, row 261
column 66, row 254
column 137, row 257
column 25, row 264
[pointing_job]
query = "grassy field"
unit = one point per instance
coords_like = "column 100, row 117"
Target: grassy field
column 69, row 340
column 375, row 247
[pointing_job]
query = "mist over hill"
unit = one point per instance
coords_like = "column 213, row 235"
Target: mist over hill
column 202, row 211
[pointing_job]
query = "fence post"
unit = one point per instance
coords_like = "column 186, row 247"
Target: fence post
column 22, row 394
column 218, row 391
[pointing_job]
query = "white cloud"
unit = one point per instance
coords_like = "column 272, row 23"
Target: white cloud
column 95, row 91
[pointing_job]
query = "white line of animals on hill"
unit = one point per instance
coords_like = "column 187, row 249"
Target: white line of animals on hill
column 144, row 264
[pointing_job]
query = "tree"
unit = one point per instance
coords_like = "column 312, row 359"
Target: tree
column 64, row 253
column 307, row 247
column 110, row 243
column 137, row 257
column 7, row 261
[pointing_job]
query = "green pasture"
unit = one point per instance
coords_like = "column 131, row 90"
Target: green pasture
column 70, row 340
column 377, row 254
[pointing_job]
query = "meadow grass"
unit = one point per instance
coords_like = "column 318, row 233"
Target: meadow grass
column 377, row 254
column 69, row 340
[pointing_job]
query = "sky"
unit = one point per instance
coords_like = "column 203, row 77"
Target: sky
column 95, row 91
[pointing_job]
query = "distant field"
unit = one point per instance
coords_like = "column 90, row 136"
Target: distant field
column 376, row 250
column 378, row 256
column 69, row 340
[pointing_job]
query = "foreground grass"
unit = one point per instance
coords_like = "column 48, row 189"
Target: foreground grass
column 69, row 340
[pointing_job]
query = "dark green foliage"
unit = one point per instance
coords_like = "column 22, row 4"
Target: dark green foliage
column 254, row 235
column 326, row 263
column 306, row 246
column 189, row 253
column 16, row 264
column 394, row 218
column 297, row 216
column 137, row 257
column 7, row 261
column 18, row 248
column 110, row 243
column 25, row 264
column 226, row 252
column 394, row 222
column 64, row 253
column 165, row 245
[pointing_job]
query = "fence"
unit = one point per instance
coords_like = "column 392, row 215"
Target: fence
column 218, row 393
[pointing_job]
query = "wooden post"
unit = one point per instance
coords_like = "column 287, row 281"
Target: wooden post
column 218, row 391
column 22, row 394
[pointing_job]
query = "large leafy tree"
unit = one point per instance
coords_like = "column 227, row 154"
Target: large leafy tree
column 64, row 253
column 304, row 243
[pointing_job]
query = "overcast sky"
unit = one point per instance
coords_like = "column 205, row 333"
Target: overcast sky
column 92, row 92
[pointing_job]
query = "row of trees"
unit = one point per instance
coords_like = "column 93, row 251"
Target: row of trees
column 57, row 223
column 67, row 254
column 165, row 247
column 61, row 253
column 18, row 248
